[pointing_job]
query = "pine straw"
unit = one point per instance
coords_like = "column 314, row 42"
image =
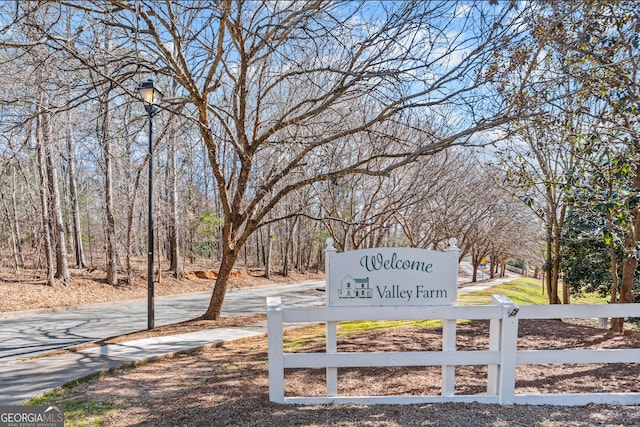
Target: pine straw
column 228, row 385
column 28, row 290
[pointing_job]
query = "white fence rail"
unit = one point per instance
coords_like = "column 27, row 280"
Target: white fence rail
column 502, row 357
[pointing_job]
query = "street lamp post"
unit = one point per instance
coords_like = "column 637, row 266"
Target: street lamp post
column 151, row 97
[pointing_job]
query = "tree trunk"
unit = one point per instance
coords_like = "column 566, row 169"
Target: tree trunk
column 44, row 202
column 220, row 288
column 629, row 266
column 129, row 243
column 15, row 263
column 260, row 251
column 130, row 228
column 267, row 263
column 89, row 240
column 552, row 271
column 284, row 250
column 11, row 210
column 110, row 223
column 73, row 193
column 556, row 266
column 174, row 248
column 614, row 278
column 14, row 206
column 62, row 265
column 301, row 249
column 287, row 248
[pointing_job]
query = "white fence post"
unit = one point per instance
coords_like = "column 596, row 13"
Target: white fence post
column 448, row 344
column 276, row 349
column 508, row 349
column 332, row 332
column 495, row 344
column 449, row 338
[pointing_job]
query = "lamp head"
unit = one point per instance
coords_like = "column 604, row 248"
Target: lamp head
column 151, row 97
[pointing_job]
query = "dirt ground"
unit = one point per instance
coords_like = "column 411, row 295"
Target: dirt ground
column 228, row 384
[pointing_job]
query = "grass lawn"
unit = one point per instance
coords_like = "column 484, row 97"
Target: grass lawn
column 523, row 291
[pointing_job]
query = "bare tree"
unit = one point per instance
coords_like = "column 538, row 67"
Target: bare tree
column 42, row 140
column 62, row 265
column 293, row 94
column 173, row 138
column 290, row 81
column 73, row 194
column 53, row 228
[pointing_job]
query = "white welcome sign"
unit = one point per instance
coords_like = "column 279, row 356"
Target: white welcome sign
column 391, row 277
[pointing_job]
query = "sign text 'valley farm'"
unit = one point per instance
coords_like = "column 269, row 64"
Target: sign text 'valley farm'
column 392, row 276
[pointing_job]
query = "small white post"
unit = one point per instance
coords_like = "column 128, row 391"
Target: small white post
column 508, row 349
column 448, row 344
column 452, row 246
column 453, row 249
column 493, row 374
column 275, row 349
column 332, row 348
column 329, row 251
column 332, row 327
column 449, row 336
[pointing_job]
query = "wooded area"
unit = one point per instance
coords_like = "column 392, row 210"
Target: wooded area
column 283, row 123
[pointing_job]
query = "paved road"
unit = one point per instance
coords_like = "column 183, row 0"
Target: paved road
column 22, row 337
column 27, row 336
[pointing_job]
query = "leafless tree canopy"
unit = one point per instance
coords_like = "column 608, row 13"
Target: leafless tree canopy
column 275, row 114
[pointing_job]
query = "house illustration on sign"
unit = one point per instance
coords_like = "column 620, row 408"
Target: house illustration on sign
column 354, row 288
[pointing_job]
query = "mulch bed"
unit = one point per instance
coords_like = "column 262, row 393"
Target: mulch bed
column 229, row 385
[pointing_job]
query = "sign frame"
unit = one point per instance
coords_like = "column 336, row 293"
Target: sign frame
column 391, row 276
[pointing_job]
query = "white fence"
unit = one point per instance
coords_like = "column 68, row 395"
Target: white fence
column 502, row 357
